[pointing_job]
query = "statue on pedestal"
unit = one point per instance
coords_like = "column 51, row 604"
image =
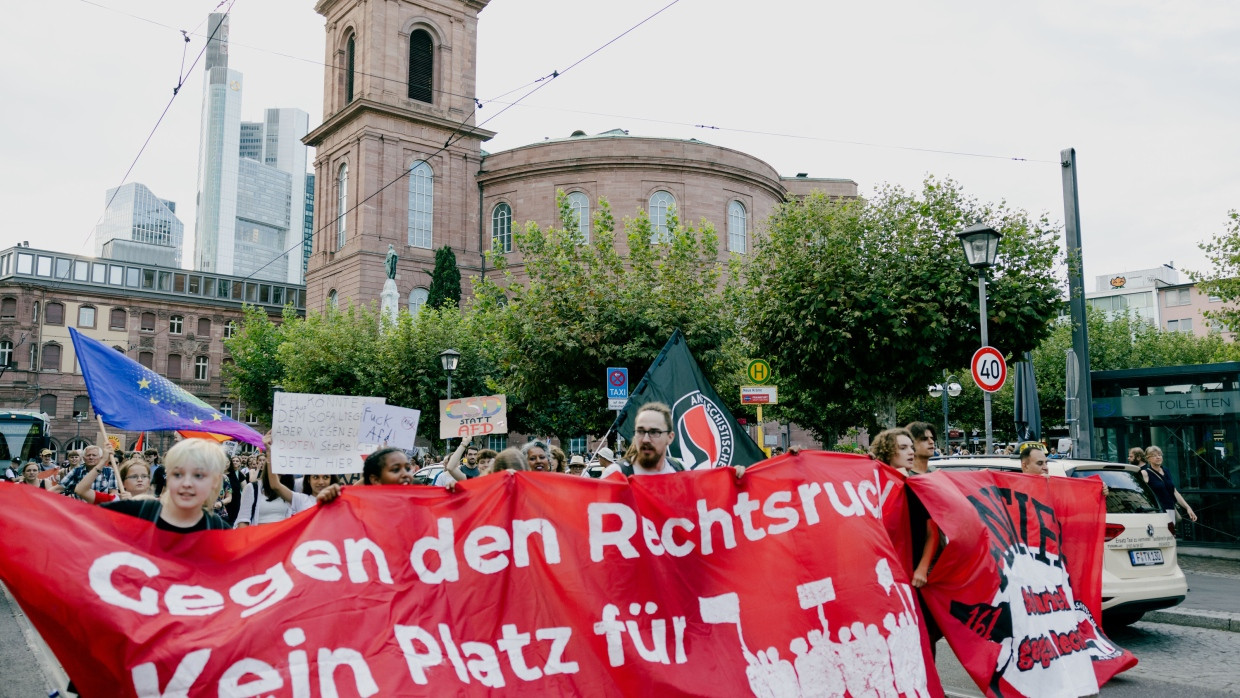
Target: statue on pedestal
column 390, row 261
column 389, row 300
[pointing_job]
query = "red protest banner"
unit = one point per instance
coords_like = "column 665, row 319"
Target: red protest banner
column 525, row 583
column 1017, row 590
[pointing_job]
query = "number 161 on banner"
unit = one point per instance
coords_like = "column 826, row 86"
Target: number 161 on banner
column 989, row 369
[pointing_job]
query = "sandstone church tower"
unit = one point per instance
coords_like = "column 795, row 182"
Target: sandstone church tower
column 399, row 85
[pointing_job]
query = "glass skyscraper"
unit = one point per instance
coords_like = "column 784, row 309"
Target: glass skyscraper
column 251, row 179
column 138, row 226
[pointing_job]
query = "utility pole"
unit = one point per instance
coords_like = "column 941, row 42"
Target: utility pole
column 1083, row 447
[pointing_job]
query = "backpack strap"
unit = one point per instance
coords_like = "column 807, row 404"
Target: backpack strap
column 676, row 464
column 626, row 468
column 254, row 503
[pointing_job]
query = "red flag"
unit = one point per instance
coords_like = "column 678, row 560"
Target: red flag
column 518, row 583
column 137, row 445
column 1017, row 589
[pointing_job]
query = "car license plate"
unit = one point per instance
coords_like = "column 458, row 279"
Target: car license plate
column 1143, row 558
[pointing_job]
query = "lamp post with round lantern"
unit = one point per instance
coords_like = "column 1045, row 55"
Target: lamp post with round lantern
column 448, row 358
column 981, row 246
column 949, row 386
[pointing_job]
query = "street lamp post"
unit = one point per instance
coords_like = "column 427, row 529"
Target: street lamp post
column 981, row 246
column 949, row 386
column 448, row 358
column 77, row 434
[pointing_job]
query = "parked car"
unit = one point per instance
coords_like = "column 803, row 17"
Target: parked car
column 1140, row 570
column 427, row 475
column 593, row 469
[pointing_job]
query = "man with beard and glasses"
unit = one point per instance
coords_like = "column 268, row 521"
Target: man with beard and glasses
column 652, row 435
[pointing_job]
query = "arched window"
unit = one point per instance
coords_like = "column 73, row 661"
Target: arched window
column 202, row 366
column 55, row 314
column 81, row 406
column 176, row 323
column 147, row 322
column 421, row 204
column 204, row 327
column 47, row 404
column 350, row 55
column 661, row 205
column 86, row 316
column 421, row 66
column 417, row 299
column 116, row 319
column 174, row 367
column 342, row 203
column 331, row 299
column 738, row 227
column 6, row 353
column 51, row 357
column 501, row 228
column 579, row 209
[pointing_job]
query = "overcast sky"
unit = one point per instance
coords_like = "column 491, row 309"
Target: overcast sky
column 878, row 92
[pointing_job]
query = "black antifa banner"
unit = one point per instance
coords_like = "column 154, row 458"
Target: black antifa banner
column 707, row 435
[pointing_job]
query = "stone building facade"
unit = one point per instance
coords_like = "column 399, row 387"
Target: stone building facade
column 398, row 134
column 171, row 320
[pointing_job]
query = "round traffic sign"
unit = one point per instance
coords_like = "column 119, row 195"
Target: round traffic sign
column 617, row 378
column 759, row 371
column 989, row 369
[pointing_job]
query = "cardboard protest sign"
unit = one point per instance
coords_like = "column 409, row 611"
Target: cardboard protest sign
column 468, row 417
column 387, row 425
column 1017, row 590
column 317, row 434
column 524, row 584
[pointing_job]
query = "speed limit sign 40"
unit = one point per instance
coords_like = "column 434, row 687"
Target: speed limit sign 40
column 989, row 369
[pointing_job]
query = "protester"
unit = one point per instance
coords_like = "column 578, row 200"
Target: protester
column 1033, row 460
column 261, row 503
column 470, row 466
column 30, row 476
column 605, row 456
column 135, row 476
column 12, row 473
column 105, row 480
column 576, row 464
column 647, row 454
column 235, row 483
column 225, row 498
column 537, row 456
column 922, row 434
column 1136, row 456
column 47, row 459
column 453, row 469
column 314, row 488
column 1160, row 481
column 194, row 469
column 388, row 466
column 486, row 461
column 559, row 460
column 899, row 448
column 511, row 458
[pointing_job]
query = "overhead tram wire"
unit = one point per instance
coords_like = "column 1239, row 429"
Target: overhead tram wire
column 458, row 135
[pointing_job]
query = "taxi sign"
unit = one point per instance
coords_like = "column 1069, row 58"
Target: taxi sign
column 989, row 369
column 759, row 371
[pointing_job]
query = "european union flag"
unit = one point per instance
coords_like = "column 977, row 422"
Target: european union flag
column 130, row 396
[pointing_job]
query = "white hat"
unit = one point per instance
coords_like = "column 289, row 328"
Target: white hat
column 606, row 454
column 577, row 459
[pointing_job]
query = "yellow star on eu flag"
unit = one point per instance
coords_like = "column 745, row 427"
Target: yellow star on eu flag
column 174, row 414
column 144, row 383
column 197, row 420
column 154, row 401
column 215, row 417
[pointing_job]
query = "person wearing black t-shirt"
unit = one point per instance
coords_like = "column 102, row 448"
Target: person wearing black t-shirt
column 194, row 470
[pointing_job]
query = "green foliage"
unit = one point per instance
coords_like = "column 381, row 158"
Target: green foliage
column 1223, row 280
column 255, row 368
column 858, row 303
column 581, row 310
column 445, row 291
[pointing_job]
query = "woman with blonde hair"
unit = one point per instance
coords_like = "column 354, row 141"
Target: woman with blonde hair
column 195, row 468
column 1164, row 488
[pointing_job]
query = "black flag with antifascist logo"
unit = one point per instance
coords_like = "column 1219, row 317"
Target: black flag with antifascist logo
column 707, row 435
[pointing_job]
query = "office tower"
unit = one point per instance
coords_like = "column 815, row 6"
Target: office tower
column 251, row 179
column 138, row 226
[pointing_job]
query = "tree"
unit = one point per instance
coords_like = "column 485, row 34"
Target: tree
column 445, row 281
column 255, row 366
column 1223, row 281
column 860, row 303
column 585, row 307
